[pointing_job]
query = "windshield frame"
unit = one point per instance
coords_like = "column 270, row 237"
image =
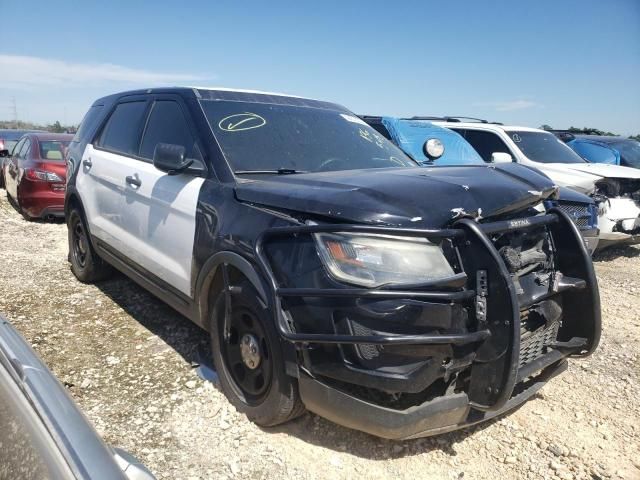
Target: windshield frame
column 392, row 153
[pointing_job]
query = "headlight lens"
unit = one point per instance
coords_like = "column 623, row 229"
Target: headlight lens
column 375, row 260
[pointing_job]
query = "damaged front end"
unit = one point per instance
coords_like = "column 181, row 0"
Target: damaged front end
column 618, row 201
column 426, row 355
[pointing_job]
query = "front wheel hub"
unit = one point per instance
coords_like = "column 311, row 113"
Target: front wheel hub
column 250, row 351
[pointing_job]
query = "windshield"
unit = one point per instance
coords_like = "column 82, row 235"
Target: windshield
column 53, row 149
column 272, row 137
column 544, row 147
column 629, row 152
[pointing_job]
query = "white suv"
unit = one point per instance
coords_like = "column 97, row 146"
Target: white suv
column 616, row 189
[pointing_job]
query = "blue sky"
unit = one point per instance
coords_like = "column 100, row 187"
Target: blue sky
column 556, row 62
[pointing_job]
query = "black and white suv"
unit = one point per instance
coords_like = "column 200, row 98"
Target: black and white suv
column 331, row 271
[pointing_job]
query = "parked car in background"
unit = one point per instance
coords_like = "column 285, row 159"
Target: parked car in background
column 42, row 432
column 35, row 174
column 434, row 146
column 603, row 149
column 8, row 140
column 614, row 188
column 332, row 272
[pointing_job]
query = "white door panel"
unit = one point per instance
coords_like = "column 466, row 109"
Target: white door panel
column 159, row 222
column 101, row 186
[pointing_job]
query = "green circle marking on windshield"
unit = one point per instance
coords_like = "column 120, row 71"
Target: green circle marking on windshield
column 241, row 121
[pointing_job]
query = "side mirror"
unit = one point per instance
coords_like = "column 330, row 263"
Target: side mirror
column 501, row 157
column 171, row 158
column 4, row 153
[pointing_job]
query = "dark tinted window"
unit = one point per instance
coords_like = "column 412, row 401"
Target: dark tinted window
column 167, row 124
column 122, row 132
column 90, row 118
column 485, row 143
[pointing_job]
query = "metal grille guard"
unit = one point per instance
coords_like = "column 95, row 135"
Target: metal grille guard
column 482, row 396
column 427, row 292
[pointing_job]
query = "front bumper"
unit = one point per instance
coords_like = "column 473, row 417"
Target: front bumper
column 440, row 415
column 488, row 348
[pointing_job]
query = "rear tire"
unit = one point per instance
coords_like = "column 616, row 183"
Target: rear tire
column 260, row 388
column 86, row 265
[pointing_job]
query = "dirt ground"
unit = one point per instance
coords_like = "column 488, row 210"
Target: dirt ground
column 129, row 360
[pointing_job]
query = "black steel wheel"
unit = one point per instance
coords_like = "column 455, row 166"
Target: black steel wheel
column 249, row 358
column 246, row 354
column 86, row 265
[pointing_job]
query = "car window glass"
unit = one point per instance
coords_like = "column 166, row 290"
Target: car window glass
column 24, row 151
column 544, row 147
column 16, row 150
column 629, row 152
column 26, row 449
column 122, row 131
column 485, row 143
column 167, row 124
column 595, row 153
column 90, row 117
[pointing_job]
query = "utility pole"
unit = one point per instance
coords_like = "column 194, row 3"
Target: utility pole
column 14, row 110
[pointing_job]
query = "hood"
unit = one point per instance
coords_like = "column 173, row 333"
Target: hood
column 402, row 197
column 605, row 170
column 583, row 176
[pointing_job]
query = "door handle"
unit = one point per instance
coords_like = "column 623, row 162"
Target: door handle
column 134, row 181
column 87, row 163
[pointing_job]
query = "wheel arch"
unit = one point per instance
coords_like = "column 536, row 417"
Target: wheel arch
column 210, row 281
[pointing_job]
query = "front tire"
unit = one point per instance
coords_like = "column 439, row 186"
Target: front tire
column 249, row 360
column 86, row 265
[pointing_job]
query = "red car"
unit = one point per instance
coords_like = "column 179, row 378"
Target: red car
column 35, row 174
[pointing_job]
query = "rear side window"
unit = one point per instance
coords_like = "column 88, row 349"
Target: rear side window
column 167, row 124
column 53, row 149
column 90, row 118
column 122, row 131
column 485, row 143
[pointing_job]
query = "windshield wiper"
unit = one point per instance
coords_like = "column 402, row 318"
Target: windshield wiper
column 278, row 171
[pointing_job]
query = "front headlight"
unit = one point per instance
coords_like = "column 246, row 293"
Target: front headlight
column 375, row 260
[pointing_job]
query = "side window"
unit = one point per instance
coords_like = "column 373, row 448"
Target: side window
column 16, row 149
column 89, row 119
column 381, row 129
column 167, row 124
column 24, row 151
column 485, row 143
column 122, row 132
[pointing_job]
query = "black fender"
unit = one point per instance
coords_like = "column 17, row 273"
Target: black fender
column 202, row 300
column 208, row 273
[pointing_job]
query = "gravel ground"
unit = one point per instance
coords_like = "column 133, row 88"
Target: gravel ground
column 128, row 360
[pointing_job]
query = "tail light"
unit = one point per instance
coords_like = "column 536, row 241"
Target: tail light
column 42, row 176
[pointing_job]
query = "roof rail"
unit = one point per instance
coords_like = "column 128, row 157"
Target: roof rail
column 453, row 119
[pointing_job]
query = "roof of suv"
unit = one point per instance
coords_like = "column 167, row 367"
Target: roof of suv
column 486, row 126
column 220, row 93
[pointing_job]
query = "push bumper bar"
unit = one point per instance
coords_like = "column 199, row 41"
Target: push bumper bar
column 492, row 335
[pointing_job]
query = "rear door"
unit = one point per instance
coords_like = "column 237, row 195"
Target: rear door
column 101, row 178
column 160, row 209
